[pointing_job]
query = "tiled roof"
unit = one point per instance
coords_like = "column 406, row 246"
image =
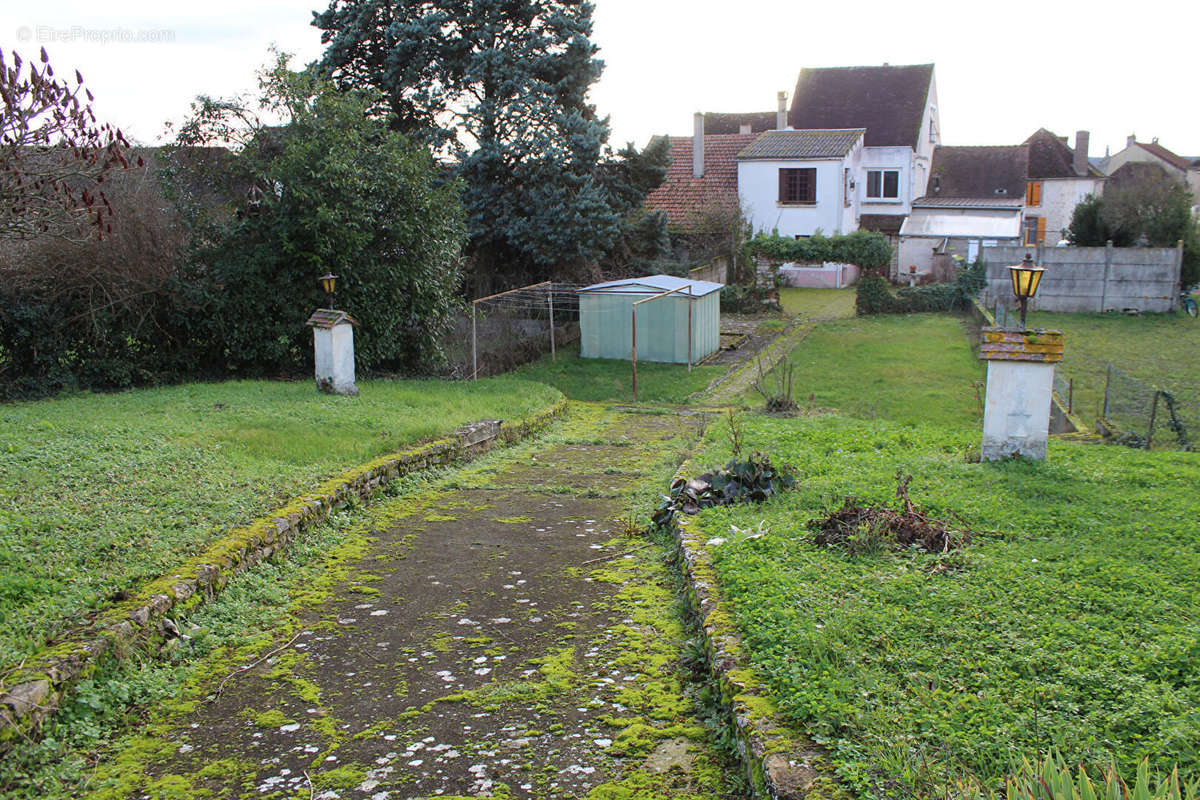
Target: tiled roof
column 802, row 144
column 685, row 198
column 1051, row 157
column 979, row 172
column 888, row 101
column 930, row 201
column 759, row 121
column 1158, row 151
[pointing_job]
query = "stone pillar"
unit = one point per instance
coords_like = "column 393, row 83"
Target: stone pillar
column 333, row 351
column 1020, row 379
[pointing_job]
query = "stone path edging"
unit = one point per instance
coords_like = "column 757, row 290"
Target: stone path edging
column 34, row 691
column 779, row 764
column 728, row 386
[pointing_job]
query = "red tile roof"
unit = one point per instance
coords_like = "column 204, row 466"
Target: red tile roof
column 684, row 197
column 1158, row 151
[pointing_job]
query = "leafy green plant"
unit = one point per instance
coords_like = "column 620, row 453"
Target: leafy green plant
column 752, row 480
column 870, row 251
column 1052, row 779
column 874, row 296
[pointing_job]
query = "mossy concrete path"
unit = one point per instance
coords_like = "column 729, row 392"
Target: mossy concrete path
column 501, row 633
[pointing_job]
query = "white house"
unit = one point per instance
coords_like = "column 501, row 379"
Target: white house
column 801, row 182
column 853, row 151
column 897, row 108
column 976, row 196
column 1057, row 179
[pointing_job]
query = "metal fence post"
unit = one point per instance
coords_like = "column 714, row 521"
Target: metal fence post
column 1107, row 384
column 1153, row 416
column 633, row 351
column 550, row 299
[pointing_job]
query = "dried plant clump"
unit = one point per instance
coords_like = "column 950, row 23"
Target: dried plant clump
column 859, row 528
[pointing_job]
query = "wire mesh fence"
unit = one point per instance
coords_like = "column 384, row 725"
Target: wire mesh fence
column 1144, row 415
column 1064, row 387
column 505, row 330
column 1006, row 317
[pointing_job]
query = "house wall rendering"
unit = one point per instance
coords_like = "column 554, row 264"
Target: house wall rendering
column 758, row 185
column 1057, row 203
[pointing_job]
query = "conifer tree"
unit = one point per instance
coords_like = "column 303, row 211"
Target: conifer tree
column 501, row 87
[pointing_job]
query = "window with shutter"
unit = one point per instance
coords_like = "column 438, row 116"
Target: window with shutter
column 1033, row 193
column 1034, row 230
column 798, row 186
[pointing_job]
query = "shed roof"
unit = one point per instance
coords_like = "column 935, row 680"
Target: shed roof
column 996, row 223
column 654, row 284
column 828, row 143
column 888, row 101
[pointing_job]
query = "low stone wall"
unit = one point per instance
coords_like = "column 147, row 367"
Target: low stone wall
column 34, row 691
column 1090, row 278
column 828, row 275
column 780, row 764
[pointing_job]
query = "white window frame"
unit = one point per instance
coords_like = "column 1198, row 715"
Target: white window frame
column 882, row 198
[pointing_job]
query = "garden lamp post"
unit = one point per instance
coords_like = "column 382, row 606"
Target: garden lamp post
column 329, row 283
column 1025, row 279
column 333, row 344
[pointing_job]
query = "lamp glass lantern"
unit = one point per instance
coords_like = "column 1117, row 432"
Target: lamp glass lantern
column 329, row 284
column 1026, row 277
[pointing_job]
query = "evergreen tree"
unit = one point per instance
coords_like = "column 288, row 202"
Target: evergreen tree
column 502, row 85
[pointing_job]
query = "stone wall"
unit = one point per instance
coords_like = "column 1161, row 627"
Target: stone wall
column 32, row 692
column 1079, row 279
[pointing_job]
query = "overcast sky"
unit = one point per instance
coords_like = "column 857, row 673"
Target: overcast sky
column 1003, row 69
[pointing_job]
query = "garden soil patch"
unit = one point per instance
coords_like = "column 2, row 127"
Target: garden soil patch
column 502, row 636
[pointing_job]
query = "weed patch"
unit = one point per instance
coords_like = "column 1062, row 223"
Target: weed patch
column 858, row 528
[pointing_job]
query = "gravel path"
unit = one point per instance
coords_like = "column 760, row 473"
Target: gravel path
column 502, row 635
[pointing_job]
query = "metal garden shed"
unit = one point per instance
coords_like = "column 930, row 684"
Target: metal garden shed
column 664, row 306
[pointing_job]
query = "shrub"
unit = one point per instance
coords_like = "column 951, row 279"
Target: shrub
column 874, row 295
column 865, row 249
column 752, row 480
column 335, row 191
column 745, row 299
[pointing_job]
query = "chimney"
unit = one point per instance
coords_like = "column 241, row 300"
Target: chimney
column 781, row 112
column 1081, row 152
column 698, row 146
column 1131, row 140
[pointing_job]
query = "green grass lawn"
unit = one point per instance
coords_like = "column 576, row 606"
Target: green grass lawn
column 602, row 380
column 817, row 304
column 1071, row 621
column 1161, row 349
column 100, row 492
column 911, row 369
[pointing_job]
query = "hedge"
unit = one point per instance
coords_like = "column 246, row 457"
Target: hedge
column 874, row 295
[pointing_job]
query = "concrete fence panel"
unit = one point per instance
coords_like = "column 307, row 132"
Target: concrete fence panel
column 1090, row 278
